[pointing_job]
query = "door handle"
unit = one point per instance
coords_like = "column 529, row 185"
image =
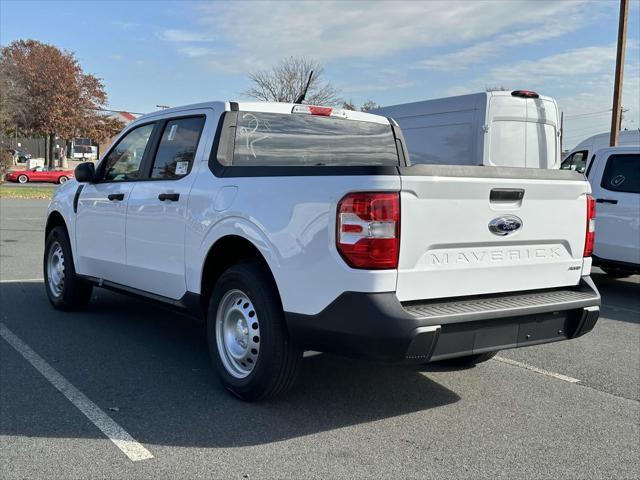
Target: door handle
column 606, row 200
column 115, row 196
column 172, row 197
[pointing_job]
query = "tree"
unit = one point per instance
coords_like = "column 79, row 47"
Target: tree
column 369, row 105
column 287, row 80
column 366, row 106
column 100, row 128
column 49, row 95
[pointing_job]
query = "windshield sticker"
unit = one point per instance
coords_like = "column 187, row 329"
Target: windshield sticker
column 181, row 168
column 618, row 180
column 172, row 132
column 250, row 132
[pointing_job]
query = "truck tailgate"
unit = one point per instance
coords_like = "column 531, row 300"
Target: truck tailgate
column 447, row 248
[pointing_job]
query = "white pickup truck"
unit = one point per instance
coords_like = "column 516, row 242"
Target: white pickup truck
column 291, row 227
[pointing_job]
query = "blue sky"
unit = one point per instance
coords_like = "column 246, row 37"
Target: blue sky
column 173, row 53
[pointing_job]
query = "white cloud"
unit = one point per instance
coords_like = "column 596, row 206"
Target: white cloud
column 185, row 36
column 332, row 30
column 569, row 66
column 196, row 51
column 483, row 51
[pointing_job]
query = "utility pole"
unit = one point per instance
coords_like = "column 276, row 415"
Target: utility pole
column 616, row 115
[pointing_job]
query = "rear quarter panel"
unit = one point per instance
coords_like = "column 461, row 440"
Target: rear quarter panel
column 291, row 220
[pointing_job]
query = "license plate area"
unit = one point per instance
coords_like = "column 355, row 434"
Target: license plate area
column 488, row 335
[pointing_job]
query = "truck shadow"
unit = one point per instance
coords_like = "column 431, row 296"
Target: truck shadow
column 149, row 370
column 620, row 296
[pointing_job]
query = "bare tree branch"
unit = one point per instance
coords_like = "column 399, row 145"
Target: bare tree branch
column 286, row 81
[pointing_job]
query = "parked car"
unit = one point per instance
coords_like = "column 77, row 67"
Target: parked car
column 614, row 174
column 580, row 156
column 504, row 129
column 39, row 174
column 19, row 155
column 291, row 227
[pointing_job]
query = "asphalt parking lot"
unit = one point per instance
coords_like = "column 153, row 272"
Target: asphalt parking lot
column 564, row 410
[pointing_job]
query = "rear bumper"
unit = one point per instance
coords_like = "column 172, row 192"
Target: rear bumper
column 377, row 326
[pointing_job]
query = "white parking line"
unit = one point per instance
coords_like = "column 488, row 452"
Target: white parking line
column 23, row 280
column 114, row 432
column 559, row 376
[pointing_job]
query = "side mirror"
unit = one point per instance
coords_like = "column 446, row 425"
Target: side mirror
column 85, row 172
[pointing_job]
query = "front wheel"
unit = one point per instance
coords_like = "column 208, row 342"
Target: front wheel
column 23, row 179
column 65, row 290
column 62, row 180
column 469, row 360
column 248, row 342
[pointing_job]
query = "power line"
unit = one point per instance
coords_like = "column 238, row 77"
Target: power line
column 588, row 114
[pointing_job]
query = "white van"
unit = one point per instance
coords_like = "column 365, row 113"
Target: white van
column 577, row 158
column 506, row 129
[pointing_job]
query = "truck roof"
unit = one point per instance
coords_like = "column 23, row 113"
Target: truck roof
column 266, row 107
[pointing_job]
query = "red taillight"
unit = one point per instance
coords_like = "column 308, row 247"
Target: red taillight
column 525, row 94
column 590, row 235
column 368, row 230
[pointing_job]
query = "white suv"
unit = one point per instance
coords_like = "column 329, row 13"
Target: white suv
column 292, row 227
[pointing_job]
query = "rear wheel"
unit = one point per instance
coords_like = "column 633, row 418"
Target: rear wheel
column 62, row 179
column 248, row 342
column 469, row 360
column 65, row 290
column 23, row 179
column 615, row 272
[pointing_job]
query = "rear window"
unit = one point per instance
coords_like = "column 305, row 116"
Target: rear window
column 276, row 139
column 622, row 173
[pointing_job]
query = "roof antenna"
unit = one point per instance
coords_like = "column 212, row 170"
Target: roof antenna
column 300, row 99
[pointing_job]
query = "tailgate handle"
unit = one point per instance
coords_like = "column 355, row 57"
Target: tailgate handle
column 503, row 195
column 606, row 200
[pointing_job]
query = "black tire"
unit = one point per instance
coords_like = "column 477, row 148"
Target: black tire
column 23, row 179
column 615, row 272
column 74, row 293
column 470, row 360
column 278, row 362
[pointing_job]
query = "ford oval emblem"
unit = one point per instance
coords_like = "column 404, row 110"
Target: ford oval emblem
column 505, row 225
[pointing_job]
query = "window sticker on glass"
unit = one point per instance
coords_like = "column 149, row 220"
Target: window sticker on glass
column 250, row 131
column 172, row 132
column 182, row 168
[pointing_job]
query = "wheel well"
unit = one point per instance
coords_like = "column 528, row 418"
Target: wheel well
column 225, row 253
column 55, row 220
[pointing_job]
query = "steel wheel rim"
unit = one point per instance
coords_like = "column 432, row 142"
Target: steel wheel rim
column 62, row 180
column 22, row 179
column 55, row 269
column 237, row 333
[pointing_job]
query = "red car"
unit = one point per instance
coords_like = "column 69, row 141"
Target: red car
column 39, row 174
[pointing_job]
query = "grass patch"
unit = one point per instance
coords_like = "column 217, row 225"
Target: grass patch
column 26, row 192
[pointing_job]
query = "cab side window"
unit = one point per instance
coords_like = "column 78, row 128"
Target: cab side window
column 576, row 161
column 124, row 160
column 177, row 148
column 622, row 173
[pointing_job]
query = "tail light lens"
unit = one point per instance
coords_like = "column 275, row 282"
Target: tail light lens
column 590, row 235
column 525, row 94
column 368, row 230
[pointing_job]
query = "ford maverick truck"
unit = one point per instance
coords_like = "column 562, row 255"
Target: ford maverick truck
column 292, row 227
